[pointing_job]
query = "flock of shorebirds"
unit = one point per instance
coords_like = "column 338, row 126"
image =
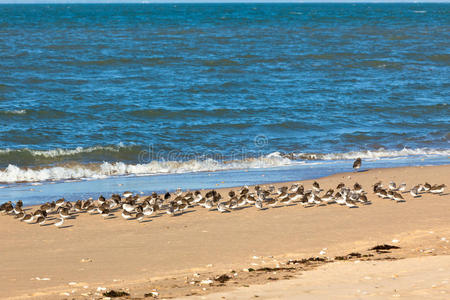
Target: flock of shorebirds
column 132, row 206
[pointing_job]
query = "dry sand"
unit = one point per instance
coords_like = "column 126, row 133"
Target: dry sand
column 164, row 253
column 411, row 278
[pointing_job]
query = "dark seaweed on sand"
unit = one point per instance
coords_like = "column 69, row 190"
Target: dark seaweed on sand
column 383, row 247
column 115, row 294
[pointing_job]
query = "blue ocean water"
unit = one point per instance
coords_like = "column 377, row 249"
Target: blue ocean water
column 97, row 91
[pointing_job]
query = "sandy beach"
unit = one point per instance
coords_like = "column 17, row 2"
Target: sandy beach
column 267, row 254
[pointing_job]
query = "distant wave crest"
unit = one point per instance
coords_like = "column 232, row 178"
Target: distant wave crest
column 13, row 112
column 62, row 152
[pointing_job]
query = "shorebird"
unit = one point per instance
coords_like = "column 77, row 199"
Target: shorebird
column 259, row 204
column 167, row 196
column 398, row 197
column 171, row 210
column 148, row 211
column 425, row 187
column 415, row 191
column 64, row 212
column 328, row 197
column 140, row 217
column 92, row 209
column 437, row 189
column 357, row 164
column 104, row 212
column 128, row 207
column 271, row 201
column 28, row 218
column 40, row 220
column 242, row 200
column 126, row 215
column 285, row 198
column 127, row 194
column 208, row 204
column 357, row 188
column 221, row 207
column 78, row 206
column 251, row 199
column 294, row 188
column 363, row 199
column 392, row 186
column 402, row 187
column 60, row 223
column 60, row 202
column 316, row 186
column 197, row 196
column 376, row 186
column 350, row 203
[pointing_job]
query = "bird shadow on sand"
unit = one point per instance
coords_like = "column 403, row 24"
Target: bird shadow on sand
column 67, row 226
column 186, row 212
column 146, row 221
column 48, row 224
column 360, row 171
column 444, row 194
column 110, row 217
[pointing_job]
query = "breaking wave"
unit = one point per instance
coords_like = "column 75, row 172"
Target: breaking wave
column 371, row 155
column 15, row 174
column 80, row 171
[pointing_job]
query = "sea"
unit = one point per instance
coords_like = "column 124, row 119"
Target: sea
column 103, row 98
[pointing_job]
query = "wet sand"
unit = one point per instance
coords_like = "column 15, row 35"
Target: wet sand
column 91, row 255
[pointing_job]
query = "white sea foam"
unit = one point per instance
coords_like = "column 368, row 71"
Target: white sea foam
column 16, row 174
column 13, row 174
column 373, row 155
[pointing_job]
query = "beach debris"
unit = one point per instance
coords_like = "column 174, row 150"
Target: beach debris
column 153, row 294
column 115, row 294
column 306, row 260
column 72, row 283
column 383, row 247
column 65, row 294
column 101, row 289
column 85, row 260
column 206, row 281
column 222, row 278
column 395, row 241
column 43, row 279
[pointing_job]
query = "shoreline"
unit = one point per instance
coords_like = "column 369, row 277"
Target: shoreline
column 72, row 190
column 120, row 254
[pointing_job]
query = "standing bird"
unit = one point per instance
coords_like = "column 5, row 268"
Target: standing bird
column 357, row 164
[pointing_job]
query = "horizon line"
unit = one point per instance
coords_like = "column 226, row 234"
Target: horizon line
column 222, row 2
